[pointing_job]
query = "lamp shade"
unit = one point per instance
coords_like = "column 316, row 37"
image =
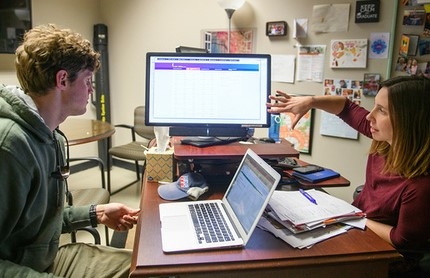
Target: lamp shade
column 231, row 4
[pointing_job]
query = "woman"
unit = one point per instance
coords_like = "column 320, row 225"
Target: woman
column 396, row 192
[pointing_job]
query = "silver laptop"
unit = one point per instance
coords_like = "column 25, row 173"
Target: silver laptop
column 239, row 211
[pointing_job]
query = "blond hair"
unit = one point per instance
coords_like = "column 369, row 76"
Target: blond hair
column 47, row 49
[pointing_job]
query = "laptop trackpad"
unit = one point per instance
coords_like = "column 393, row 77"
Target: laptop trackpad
column 175, row 222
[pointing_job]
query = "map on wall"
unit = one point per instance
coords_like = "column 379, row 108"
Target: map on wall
column 301, row 135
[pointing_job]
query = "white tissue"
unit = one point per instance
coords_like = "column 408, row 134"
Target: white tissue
column 162, row 138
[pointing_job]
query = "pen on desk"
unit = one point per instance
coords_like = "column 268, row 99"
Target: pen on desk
column 309, row 197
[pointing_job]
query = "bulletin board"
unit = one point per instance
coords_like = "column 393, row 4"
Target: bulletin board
column 310, row 51
column 412, row 47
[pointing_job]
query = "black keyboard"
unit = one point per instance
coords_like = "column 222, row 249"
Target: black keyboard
column 209, row 223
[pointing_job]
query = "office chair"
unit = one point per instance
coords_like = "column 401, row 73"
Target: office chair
column 134, row 150
column 424, row 262
column 89, row 196
column 83, row 196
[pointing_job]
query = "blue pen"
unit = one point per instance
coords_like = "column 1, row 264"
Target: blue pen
column 309, row 197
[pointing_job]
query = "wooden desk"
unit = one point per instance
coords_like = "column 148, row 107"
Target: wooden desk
column 221, row 161
column 234, row 150
column 354, row 254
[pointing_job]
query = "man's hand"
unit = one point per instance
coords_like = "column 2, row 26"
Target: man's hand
column 117, row 216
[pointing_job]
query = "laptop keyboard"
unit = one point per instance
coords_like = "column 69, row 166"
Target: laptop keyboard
column 209, row 223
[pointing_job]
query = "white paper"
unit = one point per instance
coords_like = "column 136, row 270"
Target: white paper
column 283, row 67
column 310, row 63
column 330, row 18
column 303, row 240
column 295, row 207
column 300, row 28
column 331, row 125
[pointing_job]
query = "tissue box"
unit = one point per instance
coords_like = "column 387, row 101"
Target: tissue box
column 160, row 166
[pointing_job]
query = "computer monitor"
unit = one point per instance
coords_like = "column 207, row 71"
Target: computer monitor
column 207, row 94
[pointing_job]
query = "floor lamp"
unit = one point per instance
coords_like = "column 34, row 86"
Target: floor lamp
column 230, row 6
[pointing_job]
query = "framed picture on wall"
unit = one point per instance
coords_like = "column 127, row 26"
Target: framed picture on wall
column 371, row 84
column 276, row 28
column 348, row 53
column 367, row 11
column 414, row 17
column 301, row 135
column 409, row 45
column 241, row 41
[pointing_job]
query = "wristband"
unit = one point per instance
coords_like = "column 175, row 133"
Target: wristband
column 93, row 216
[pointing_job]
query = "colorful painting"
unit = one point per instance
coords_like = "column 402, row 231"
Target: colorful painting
column 348, row 53
column 241, row 41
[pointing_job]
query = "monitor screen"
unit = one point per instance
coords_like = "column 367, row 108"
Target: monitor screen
column 207, row 94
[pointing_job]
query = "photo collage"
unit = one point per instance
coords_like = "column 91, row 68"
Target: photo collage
column 414, row 49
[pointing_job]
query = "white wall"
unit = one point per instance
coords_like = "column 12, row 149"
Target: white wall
column 138, row 26
column 79, row 15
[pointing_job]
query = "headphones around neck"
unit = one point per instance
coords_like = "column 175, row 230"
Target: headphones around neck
column 62, row 171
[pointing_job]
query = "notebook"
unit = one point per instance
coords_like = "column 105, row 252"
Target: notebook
column 319, row 176
column 241, row 208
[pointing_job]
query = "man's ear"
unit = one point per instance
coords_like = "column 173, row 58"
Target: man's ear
column 61, row 78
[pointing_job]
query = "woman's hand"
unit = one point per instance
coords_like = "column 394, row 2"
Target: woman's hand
column 298, row 105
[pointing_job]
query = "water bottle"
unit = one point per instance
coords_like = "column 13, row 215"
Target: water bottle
column 250, row 132
column 275, row 123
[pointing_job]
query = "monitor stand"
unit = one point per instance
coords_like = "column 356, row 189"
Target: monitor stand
column 206, row 141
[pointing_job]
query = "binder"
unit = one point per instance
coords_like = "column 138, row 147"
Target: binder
column 317, row 176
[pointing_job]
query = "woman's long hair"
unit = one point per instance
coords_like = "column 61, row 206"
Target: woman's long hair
column 409, row 108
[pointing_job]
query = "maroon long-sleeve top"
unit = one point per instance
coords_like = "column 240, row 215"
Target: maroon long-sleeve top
column 391, row 199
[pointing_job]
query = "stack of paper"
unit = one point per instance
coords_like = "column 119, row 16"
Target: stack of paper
column 302, row 218
column 307, row 210
column 303, row 240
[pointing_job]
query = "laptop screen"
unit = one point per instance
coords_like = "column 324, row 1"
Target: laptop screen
column 249, row 191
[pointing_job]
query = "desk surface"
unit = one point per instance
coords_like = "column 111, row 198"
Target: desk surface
column 81, row 131
column 232, row 150
column 356, row 251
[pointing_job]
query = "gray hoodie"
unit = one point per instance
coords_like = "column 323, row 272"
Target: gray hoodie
column 32, row 205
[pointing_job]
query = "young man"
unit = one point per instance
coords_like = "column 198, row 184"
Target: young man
column 54, row 67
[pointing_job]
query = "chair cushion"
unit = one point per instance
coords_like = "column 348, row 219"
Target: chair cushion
column 89, row 196
column 132, row 151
